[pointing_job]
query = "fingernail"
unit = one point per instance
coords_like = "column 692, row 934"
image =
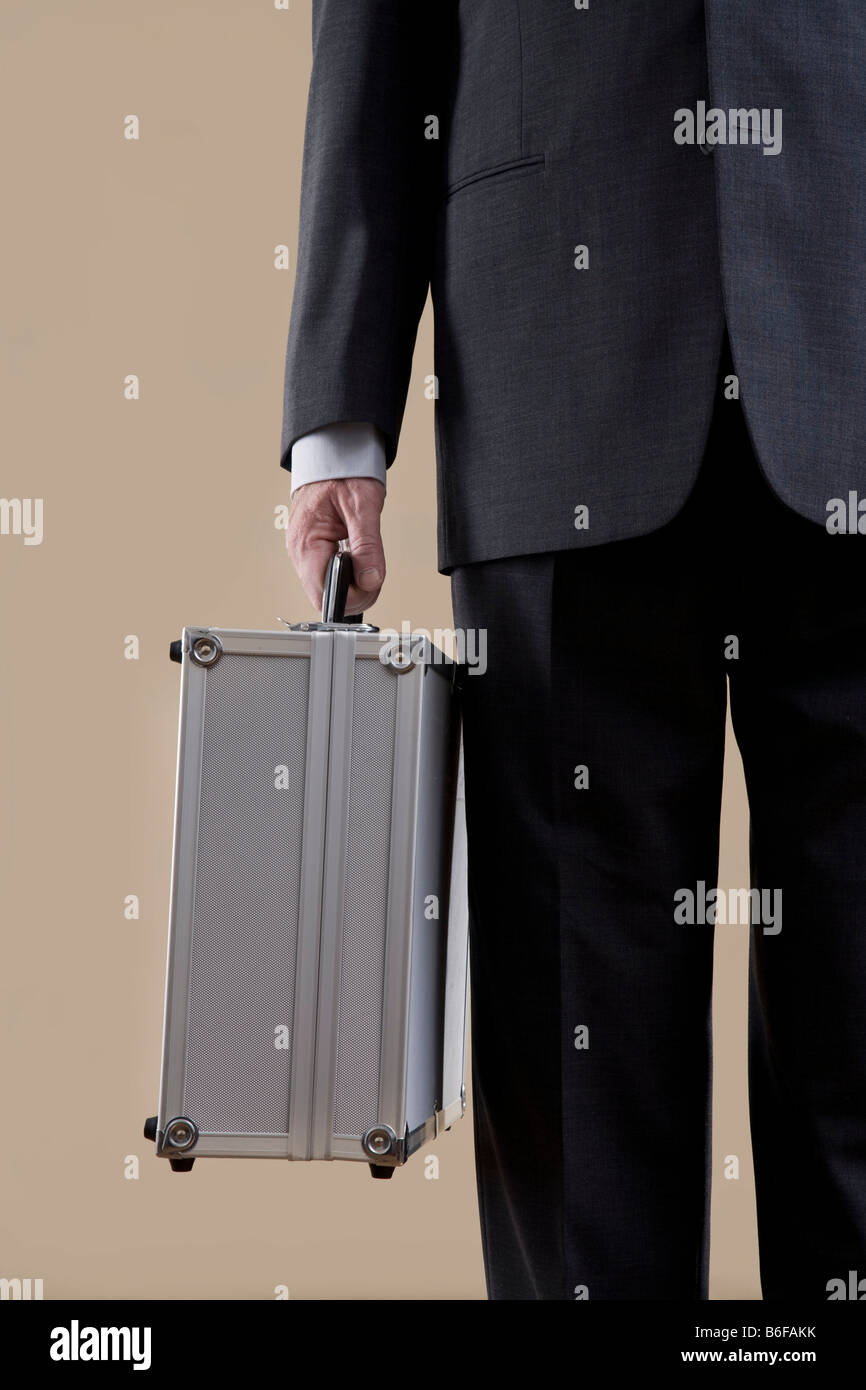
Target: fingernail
column 369, row 579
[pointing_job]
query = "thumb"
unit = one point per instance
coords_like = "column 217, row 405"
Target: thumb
column 368, row 561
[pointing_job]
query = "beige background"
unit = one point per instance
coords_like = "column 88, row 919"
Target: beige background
column 156, row 257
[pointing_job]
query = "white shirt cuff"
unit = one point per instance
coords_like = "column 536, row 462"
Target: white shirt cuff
column 347, row 449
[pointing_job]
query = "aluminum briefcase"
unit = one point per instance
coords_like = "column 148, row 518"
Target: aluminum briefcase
column 317, row 969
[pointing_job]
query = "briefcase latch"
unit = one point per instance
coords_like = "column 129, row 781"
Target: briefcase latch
column 328, row 627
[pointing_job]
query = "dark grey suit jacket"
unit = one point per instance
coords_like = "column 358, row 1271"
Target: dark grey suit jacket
column 563, row 387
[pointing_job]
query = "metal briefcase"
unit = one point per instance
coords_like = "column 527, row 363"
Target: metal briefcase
column 317, row 971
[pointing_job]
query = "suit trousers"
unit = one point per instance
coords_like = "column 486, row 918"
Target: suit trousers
column 594, row 745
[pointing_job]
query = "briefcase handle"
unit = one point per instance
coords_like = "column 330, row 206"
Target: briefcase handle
column 338, row 579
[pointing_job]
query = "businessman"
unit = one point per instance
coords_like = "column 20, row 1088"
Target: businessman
column 644, row 232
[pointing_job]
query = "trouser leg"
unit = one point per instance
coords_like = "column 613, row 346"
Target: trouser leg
column 798, row 698
column 590, row 1004
column 514, row 926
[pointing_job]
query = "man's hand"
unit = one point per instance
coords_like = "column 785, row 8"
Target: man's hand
column 323, row 514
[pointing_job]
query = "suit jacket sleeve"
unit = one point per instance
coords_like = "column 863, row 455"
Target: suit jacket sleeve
column 369, row 189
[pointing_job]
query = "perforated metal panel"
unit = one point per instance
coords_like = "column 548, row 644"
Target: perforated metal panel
column 247, row 890
column 362, row 951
